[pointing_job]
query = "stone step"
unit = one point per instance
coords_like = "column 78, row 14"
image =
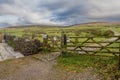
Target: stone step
column 4, row 54
column 7, row 52
column 14, row 53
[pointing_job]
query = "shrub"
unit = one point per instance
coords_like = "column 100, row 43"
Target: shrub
column 109, row 33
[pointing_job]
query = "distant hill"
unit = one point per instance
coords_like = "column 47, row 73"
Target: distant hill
column 40, row 26
column 89, row 24
column 99, row 24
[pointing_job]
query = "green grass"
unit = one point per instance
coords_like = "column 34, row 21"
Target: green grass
column 56, row 31
column 77, row 63
column 117, row 29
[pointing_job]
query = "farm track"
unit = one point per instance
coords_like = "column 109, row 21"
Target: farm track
column 7, row 52
column 38, row 68
column 42, row 67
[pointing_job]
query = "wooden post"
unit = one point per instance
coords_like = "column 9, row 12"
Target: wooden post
column 118, row 69
column 53, row 42
column 63, row 42
column 119, row 58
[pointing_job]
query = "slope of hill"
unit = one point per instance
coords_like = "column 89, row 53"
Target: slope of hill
column 97, row 24
column 40, row 26
column 89, row 24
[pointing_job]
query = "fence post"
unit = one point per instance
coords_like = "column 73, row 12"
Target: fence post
column 119, row 58
column 63, row 42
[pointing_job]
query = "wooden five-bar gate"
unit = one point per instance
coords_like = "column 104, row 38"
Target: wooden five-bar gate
column 98, row 46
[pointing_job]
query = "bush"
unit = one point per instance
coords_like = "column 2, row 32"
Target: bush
column 109, row 33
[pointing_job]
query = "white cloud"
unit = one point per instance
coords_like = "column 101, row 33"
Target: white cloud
column 104, row 8
column 58, row 11
column 27, row 13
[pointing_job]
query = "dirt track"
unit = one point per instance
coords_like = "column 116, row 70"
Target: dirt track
column 31, row 68
column 41, row 67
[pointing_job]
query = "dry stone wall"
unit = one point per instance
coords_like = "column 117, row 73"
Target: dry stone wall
column 24, row 45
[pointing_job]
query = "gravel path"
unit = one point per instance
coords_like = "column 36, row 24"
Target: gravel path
column 7, row 52
column 44, row 68
column 38, row 68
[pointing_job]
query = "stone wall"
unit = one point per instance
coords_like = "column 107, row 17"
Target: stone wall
column 25, row 46
column 1, row 37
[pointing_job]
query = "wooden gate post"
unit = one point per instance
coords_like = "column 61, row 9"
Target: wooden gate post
column 119, row 58
column 63, row 42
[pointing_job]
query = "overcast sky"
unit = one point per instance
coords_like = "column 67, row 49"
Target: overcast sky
column 58, row 12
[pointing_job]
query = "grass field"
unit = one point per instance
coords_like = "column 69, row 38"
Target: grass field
column 49, row 31
column 106, row 66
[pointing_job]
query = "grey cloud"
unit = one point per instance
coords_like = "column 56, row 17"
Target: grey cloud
column 64, row 12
